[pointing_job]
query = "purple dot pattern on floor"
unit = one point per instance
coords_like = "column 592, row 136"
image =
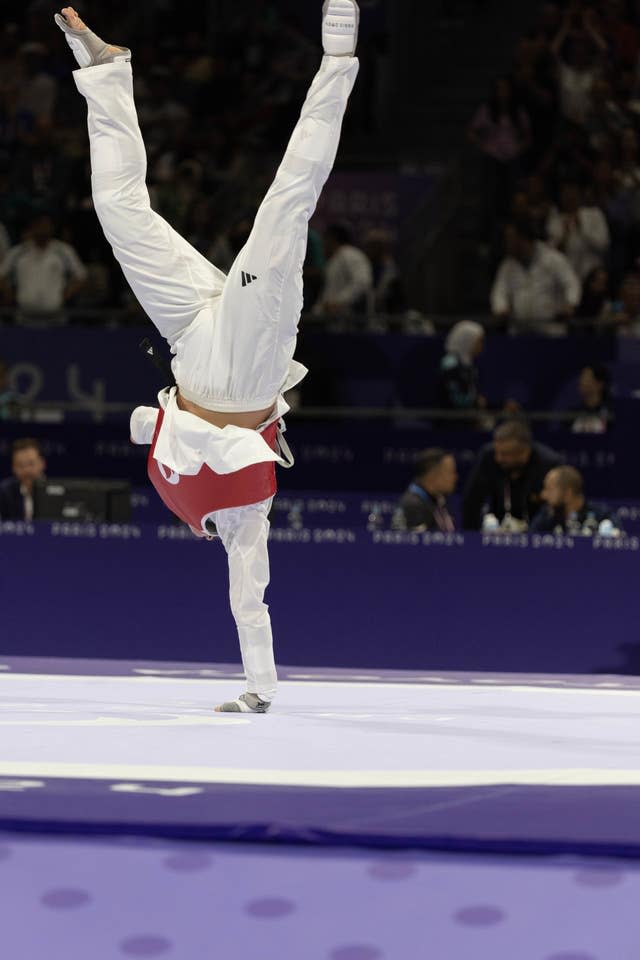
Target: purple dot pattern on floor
column 188, row 862
column 356, row 952
column 70, row 886
column 599, row 878
column 65, row 899
column 270, row 908
column 479, row 916
column 146, row 945
column 392, row 871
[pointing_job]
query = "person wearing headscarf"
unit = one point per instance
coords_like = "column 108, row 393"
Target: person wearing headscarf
column 458, row 383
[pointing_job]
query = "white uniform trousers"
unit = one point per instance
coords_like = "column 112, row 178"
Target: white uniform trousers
column 233, row 338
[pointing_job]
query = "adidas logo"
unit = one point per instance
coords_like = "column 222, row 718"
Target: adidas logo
column 247, row 278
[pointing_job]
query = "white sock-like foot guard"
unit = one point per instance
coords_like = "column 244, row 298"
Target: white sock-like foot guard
column 88, row 49
column 247, row 703
column 340, row 24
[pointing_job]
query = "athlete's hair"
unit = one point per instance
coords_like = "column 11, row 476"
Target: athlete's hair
column 516, row 430
column 428, row 460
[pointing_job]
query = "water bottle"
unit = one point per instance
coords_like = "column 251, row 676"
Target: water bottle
column 607, row 529
column 490, row 523
column 375, row 519
column 295, row 517
column 509, row 523
column 398, row 520
column 573, row 526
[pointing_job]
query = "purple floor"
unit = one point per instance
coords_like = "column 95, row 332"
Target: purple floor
column 69, row 899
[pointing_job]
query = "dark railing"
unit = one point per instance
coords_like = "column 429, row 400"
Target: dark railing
column 410, row 322
column 55, row 411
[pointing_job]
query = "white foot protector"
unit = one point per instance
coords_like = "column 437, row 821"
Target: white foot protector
column 340, row 23
column 88, row 49
column 247, row 703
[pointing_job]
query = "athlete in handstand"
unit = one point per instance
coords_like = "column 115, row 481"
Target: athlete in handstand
column 217, row 435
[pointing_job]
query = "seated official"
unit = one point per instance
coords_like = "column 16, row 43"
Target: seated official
column 16, row 493
column 424, row 504
column 566, row 508
column 508, row 477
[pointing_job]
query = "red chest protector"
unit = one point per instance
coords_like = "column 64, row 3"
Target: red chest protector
column 192, row 498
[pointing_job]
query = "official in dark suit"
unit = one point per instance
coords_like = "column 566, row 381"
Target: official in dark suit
column 508, row 476
column 16, row 493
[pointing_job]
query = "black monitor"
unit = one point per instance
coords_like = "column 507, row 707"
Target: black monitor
column 86, row 500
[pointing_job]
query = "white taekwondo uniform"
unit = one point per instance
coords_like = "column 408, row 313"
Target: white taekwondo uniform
column 233, row 337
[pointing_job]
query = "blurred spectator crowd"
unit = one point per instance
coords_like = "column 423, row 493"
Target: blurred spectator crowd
column 559, row 136
column 217, row 99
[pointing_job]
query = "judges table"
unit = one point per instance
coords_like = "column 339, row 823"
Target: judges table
column 339, row 597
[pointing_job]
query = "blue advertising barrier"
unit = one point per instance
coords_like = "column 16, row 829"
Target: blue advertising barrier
column 358, row 511
column 339, row 598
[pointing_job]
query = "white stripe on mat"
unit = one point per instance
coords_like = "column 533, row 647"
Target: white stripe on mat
column 322, row 778
column 600, row 691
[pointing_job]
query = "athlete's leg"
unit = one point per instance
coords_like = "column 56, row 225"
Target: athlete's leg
column 172, row 281
column 244, row 531
column 255, row 329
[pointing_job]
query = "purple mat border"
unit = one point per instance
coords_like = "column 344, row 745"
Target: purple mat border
column 588, row 821
column 221, row 671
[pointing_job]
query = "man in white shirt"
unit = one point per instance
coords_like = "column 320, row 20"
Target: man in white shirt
column 348, row 275
column 536, row 288
column 580, row 232
column 215, row 438
column 579, row 49
column 43, row 273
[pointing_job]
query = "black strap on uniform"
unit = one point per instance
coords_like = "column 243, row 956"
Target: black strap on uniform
column 159, row 362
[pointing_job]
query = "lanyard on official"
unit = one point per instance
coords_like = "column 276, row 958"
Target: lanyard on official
column 507, row 496
column 420, row 492
column 441, row 514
